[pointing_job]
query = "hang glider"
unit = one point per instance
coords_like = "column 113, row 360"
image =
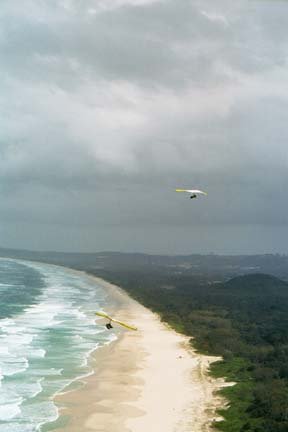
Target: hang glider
column 193, row 192
column 109, row 326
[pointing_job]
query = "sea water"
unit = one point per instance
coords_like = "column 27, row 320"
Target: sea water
column 47, row 332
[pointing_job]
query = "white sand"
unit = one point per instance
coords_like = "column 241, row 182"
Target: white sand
column 147, row 381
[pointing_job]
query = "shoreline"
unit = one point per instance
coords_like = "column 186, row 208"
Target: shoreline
column 142, row 379
column 152, row 377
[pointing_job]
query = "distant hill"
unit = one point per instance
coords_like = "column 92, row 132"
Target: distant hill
column 258, row 283
column 236, row 307
column 214, row 267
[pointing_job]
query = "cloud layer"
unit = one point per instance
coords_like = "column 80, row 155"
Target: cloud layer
column 107, row 106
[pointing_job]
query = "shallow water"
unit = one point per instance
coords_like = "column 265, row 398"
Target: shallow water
column 47, row 332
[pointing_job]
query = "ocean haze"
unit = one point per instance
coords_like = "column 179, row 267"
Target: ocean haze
column 109, row 106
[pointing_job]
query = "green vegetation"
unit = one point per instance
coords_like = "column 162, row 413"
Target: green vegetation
column 244, row 320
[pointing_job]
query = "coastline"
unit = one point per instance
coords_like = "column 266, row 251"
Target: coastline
column 149, row 379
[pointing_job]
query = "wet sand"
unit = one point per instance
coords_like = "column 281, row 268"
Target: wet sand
column 150, row 380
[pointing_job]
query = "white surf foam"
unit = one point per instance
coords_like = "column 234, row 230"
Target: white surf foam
column 47, row 347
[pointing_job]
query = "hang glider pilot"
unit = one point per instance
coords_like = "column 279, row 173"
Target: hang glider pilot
column 109, row 325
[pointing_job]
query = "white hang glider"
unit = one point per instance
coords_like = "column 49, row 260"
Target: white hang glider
column 110, row 319
column 193, row 192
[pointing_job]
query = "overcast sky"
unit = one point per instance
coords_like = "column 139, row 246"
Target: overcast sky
column 107, row 106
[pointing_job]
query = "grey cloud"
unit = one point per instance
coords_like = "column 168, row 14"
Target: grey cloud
column 143, row 43
column 156, row 43
column 105, row 110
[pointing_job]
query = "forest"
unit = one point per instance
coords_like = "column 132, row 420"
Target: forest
column 245, row 320
column 241, row 316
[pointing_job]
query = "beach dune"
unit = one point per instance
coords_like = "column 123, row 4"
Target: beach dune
column 149, row 380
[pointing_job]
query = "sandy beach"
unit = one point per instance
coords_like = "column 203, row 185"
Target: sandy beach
column 149, row 380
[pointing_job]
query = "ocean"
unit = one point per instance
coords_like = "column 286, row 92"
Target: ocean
column 47, row 333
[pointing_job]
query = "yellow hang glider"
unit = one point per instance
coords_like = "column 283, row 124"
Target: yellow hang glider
column 109, row 326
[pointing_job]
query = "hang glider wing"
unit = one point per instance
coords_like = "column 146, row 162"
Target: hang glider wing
column 192, row 191
column 104, row 315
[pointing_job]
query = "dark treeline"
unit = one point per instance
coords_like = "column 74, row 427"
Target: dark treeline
column 245, row 320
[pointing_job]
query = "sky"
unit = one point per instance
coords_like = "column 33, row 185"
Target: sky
column 107, row 106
